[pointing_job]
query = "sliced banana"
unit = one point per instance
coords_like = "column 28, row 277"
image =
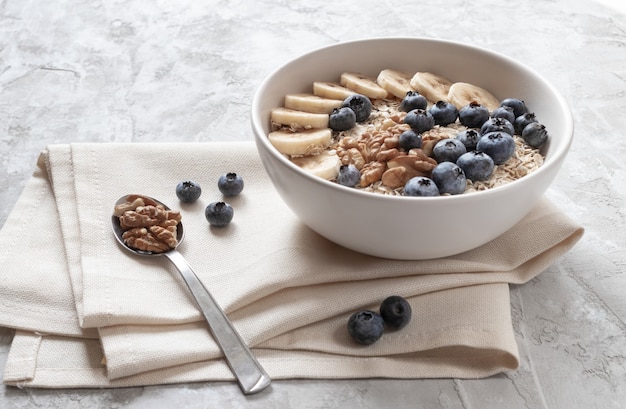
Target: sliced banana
column 311, row 103
column 462, row 93
column 325, row 165
column 305, row 142
column 298, row 119
column 397, row 83
column 363, row 85
column 433, row 86
column 331, row 90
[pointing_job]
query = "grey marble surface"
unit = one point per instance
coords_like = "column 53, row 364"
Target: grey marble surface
column 159, row 70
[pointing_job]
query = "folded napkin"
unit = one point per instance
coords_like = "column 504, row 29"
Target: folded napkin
column 89, row 314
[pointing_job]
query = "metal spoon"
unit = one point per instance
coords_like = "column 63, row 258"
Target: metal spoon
column 250, row 375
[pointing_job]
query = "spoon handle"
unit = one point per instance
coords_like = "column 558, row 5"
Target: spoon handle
column 250, row 375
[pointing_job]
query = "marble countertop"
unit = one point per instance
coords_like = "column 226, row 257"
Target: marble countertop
column 159, row 70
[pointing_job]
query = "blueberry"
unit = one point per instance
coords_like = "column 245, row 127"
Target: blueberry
column 348, row 175
column 505, row 112
column 477, row 165
column 360, row 104
column 444, row 113
column 473, row 115
column 499, row 145
column 396, row 311
column 420, row 186
column 448, row 150
column 469, row 137
column 535, row 134
column 419, row 120
column 366, row 327
column 449, row 178
column 413, row 100
column 188, row 191
column 409, row 140
column 523, row 120
column 497, row 125
column 230, row 184
column 518, row 106
column 219, row 214
column 342, row 119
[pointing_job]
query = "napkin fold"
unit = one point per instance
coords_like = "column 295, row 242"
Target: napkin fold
column 89, row 314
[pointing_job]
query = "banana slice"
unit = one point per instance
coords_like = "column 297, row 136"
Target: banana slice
column 325, row 165
column 363, row 85
column 298, row 119
column 311, row 103
column 331, row 90
column 306, row 142
column 433, row 86
column 397, row 83
column 462, row 93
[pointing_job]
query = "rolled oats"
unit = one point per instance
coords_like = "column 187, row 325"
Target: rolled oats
column 372, row 148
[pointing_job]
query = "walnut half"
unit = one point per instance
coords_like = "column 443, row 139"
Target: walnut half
column 147, row 226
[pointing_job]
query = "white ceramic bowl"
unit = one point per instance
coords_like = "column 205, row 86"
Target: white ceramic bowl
column 411, row 228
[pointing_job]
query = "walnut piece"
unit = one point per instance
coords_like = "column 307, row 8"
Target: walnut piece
column 371, row 172
column 144, row 216
column 147, row 226
column 404, row 167
column 398, row 176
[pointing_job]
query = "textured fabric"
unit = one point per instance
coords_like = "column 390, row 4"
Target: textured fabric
column 103, row 317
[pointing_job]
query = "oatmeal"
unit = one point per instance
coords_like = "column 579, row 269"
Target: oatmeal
column 373, row 145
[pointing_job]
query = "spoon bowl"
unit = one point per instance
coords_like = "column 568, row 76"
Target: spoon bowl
column 250, row 375
column 118, row 230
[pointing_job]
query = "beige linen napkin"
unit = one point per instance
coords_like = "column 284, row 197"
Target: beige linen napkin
column 287, row 290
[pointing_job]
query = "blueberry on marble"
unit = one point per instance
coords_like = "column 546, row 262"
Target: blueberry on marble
column 395, row 311
column 495, row 124
column 348, row 175
column 473, row 115
column 420, row 120
column 444, row 113
column 535, row 134
column 219, row 214
column 523, row 120
column 477, row 165
column 420, row 186
column 448, row 150
column 413, row 100
column 230, row 184
column 518, row 106
column 410, row 139
column 449, row 178
column 360, row 104
column 366, row 327
column 469, row 137
column 188, row 191
column 499, row 145
column 342, row 119
column 505, row 112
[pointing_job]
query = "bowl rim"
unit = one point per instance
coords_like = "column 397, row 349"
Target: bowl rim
column 554, row 160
